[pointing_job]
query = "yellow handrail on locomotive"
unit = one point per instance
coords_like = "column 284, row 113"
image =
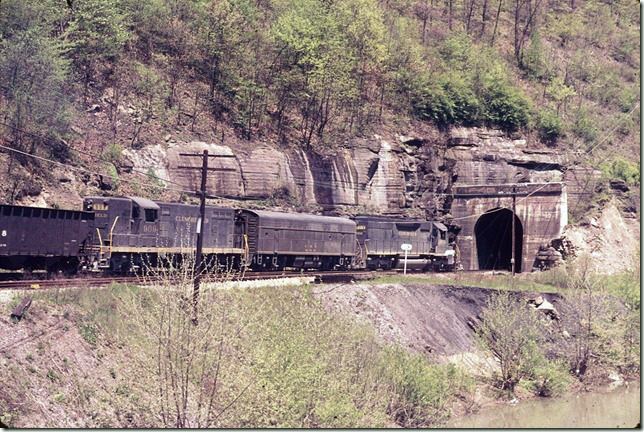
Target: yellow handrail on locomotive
column 246, row 247
column 112, row 233
column 100, row 243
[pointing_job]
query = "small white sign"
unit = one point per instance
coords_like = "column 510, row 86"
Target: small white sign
column 405, row 246
column 4, row 233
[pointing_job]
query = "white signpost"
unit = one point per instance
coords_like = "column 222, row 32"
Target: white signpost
column 406, row 247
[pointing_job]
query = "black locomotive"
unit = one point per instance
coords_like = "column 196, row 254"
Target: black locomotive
column 123, row 234
column 380, row 239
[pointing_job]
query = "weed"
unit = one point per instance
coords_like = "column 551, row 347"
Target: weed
column 65, row 327
column 29, row 357
column 58, row 397
column 31, row 369
column 41, row 348
column 89, row 332
column 122, row 389
column 52, row 375
column 112, row 373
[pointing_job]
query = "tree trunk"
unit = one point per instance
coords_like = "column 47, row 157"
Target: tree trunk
column 469, row 17
column 496, row 22
column 484, row 17
column 431, row 14
column 518, row 5
column 451, row 13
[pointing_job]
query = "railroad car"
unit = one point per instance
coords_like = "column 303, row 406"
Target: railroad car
column 124, row 234
column 134, row 231
column 276, row 240
column 35, row 238
column 380, row 238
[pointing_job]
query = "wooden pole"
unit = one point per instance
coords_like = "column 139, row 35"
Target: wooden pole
column 200, row 223
column 514, row 211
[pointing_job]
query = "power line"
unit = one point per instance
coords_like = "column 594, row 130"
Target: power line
column 89, row 154
column 90, row 171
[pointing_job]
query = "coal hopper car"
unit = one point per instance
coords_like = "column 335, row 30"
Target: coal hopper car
column 34, row 238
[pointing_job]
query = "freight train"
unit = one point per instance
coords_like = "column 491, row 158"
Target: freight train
column 124, row 234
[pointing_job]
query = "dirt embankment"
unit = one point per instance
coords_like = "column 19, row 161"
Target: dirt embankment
column 54, row 374
column 437, row 319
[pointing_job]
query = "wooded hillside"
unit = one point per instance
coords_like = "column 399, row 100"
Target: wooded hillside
column 311, row 72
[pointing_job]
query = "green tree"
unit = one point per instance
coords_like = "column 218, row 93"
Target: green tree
column 33, row 73
column 561, row 93
column 97, row 34
column 511, row 332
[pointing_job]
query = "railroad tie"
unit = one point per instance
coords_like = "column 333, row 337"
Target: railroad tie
column 21, row 309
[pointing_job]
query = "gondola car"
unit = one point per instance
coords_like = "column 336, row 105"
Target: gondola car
column 35, row 238
column 380, row 239
column 277, row 240
column 132, row 232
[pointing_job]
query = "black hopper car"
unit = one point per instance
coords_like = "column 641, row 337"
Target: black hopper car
column 43, row 238
column 124, row 234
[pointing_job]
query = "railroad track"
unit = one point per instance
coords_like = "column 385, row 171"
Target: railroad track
column 43, row 284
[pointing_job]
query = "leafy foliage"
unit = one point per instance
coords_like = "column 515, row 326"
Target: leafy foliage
column 625, row 170
column 512, row 333
column 550, row 126
column 310, row 70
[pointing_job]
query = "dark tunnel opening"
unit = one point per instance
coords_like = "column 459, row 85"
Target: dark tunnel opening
column 493, row 232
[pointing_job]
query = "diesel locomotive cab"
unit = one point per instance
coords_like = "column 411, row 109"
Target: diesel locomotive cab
column 380, row 239
column 124, row 226
column 132, row 232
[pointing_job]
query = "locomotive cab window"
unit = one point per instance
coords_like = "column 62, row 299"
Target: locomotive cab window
column 443, row 235
column 136, row 212
column 150, row 215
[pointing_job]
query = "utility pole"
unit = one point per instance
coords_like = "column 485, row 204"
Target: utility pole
column 199, row 262
column 514, row 212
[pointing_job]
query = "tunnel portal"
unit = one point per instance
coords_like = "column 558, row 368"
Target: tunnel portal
column 493, row 232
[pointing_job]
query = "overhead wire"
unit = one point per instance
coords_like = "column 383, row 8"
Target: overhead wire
column 88, row 170
column 603, row 139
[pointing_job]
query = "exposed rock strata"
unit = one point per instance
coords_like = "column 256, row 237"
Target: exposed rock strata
column 392, row 175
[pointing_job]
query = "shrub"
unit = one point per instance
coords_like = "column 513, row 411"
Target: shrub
column 450, row 101
column 550, row 126
column 506, row 107
column 551, row 378
column 585, row 125
column 625, row 170
column 533, row 59
column 113, row 154
column 511, row 333
column 421, row 389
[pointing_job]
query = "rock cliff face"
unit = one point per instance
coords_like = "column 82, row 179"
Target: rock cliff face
column 398, row 175
column 390, row 176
